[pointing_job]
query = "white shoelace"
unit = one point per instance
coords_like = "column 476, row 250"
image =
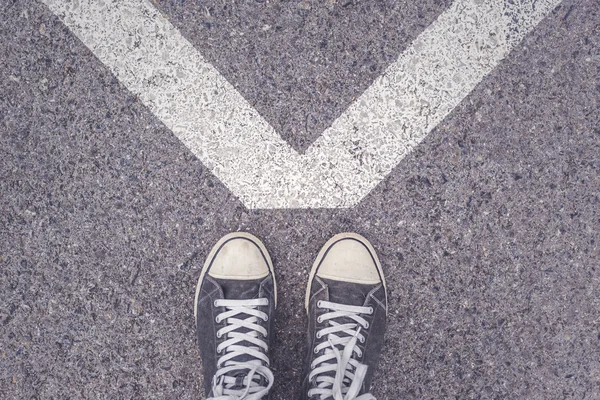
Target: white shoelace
column 349, row 373
column 235, row 333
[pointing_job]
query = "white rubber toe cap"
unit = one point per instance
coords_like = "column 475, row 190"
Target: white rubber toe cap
column 349, row 257
column 239, row 256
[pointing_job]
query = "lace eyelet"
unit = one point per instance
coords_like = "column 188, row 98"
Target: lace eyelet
column 316, row 351
column 217, row 320
column 318, row 335
column 361, row 339
column 219, row 335
column 367, row 325
column 319, row 303
column 371, row 310
column 319, row 320
column 215, row 303
column 266, row 318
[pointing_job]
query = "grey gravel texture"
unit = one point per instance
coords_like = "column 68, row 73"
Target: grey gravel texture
column 488, row 232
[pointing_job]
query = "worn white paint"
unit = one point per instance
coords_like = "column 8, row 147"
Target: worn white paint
column 443, row 65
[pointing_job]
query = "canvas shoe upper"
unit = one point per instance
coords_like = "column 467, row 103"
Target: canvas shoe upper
column 346, row 301
column 234, row 309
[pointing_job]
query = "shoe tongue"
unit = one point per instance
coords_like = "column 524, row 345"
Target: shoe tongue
column 239, row 289
column 348, row 293
column 352, row 294
column 240, row 375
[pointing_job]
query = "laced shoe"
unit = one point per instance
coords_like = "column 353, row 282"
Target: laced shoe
column 346, row 301
column 235, row 306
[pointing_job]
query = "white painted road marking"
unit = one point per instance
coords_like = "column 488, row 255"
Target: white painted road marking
column 443, row 65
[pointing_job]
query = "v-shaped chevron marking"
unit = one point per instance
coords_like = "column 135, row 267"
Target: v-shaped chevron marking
column 442, row 66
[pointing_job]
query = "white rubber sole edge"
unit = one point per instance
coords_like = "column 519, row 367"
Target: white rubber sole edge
column 340, row 236
column 214, row 250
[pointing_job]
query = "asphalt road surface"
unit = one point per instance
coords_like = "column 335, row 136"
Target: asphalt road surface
column 488, row 230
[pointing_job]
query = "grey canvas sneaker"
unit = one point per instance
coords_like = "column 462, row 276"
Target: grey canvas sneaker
column 235, row 306
column 346, row 301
